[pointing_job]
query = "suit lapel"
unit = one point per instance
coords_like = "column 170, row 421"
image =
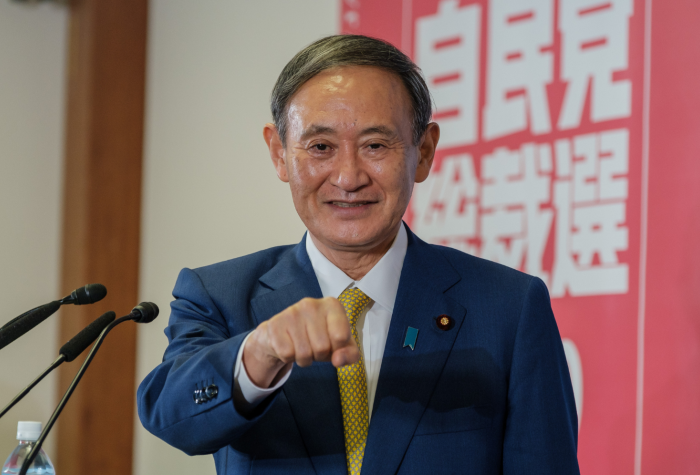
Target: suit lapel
column 312, row 392
column 408, row 377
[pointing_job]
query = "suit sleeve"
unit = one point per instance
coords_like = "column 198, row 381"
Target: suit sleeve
column 201, row 353
column 542, row 425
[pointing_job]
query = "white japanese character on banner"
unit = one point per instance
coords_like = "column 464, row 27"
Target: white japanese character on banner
column 514, row 226
column 595, row 37
column 445, row 205
column 589, row 197
column 520, row 65
column 447, row 50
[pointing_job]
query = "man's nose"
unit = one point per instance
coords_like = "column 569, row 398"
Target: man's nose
column 349, row 174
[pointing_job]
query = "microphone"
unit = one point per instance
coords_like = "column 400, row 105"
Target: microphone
column 145, row 312
column 68, row 352
column 76, row 345
column 26, row 322
column 91, row 293
column 20, row 325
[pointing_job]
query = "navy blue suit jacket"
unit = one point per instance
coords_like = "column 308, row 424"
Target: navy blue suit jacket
column 492, row 395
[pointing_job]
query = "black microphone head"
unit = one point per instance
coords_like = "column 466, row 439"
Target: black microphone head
column 145, row 312
column 87, row 335
column 91, row 293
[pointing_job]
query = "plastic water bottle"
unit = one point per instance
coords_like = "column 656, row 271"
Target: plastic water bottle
column 27, row 434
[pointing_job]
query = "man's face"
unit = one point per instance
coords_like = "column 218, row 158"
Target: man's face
column 349, row 156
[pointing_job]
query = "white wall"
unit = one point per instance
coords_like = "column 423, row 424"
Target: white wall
column 210, row 192
column 32, row 86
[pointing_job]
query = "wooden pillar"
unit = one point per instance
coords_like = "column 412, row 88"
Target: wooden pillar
column 101, row 223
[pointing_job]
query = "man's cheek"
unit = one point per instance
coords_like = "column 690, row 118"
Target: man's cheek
column 310, row 175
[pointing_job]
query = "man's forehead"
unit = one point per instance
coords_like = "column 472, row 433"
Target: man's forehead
column 359, row 100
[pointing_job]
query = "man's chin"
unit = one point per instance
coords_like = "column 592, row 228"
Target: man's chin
column 350, row 238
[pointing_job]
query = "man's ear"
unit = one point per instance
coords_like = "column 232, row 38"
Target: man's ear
column 426, row 151
column 277, row 151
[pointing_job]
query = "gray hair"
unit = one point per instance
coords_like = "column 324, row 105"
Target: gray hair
column 350, row 50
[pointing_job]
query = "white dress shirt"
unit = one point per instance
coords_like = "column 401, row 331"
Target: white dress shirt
column 380, row 284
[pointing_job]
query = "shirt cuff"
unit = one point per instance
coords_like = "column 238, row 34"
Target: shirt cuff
column 247, row 395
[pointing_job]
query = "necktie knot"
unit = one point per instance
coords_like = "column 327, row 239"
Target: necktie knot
column 354, row 301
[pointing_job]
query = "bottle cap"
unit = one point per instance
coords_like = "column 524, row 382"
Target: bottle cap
column 28, row 430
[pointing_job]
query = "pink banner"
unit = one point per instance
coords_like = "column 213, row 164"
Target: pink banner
column 544, row 166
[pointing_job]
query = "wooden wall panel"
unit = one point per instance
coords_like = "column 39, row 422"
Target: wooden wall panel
column 101, row 224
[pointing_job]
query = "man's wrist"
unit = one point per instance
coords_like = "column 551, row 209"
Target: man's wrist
column 247, row 395
column 262, row 369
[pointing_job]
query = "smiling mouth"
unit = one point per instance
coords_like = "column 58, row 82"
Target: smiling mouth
column 345, row 204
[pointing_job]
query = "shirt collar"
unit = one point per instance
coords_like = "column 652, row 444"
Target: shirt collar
column 380, row 284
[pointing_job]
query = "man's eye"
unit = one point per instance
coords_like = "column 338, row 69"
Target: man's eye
column 375, row 146
column 321, row 147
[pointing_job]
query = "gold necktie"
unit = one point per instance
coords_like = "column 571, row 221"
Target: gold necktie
column 352, row 380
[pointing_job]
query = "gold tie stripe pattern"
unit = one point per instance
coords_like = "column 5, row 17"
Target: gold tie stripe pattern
column 352, row 381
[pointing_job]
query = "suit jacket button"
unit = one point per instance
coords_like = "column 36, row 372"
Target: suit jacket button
column 211, row 391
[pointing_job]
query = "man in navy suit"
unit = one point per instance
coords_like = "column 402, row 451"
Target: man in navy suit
column 362, row 347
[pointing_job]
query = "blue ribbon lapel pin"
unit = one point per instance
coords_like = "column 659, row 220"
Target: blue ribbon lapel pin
column 410, row 339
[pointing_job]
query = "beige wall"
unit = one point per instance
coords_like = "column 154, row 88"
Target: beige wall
column 210, row 192
column 32, row 58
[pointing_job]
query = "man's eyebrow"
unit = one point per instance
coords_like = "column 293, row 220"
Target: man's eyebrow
column 379, row 129
column 315, row 130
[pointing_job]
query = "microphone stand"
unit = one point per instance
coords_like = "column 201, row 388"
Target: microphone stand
column 44, row 433
column 68, row 352
column 52, row 366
